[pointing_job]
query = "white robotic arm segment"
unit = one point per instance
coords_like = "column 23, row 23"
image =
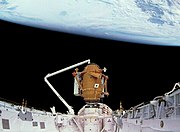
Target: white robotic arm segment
column 71, row 111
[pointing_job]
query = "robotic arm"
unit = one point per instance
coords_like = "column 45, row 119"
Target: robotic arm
column 71, row 111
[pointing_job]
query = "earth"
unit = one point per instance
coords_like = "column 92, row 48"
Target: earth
column 154, row 22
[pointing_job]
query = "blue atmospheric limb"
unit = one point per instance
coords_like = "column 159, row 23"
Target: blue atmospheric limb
column 139, row 21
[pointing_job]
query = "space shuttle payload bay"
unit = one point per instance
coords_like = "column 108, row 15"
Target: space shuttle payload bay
column 162, row 114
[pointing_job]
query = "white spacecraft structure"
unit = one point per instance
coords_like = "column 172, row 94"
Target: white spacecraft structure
column 162, row 114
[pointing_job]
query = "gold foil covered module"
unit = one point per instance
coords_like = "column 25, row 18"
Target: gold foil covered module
column 92, row 83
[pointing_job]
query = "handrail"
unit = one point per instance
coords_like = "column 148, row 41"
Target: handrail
column 174, row 88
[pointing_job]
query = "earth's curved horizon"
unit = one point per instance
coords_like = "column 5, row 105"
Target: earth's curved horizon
column 138, row 21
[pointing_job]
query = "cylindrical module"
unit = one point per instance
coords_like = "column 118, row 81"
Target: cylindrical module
column 92, row 87
column 91, row 83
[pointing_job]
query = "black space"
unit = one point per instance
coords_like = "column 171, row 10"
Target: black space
column 137, row 72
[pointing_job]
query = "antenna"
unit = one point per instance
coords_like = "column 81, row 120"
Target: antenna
column 71, row 111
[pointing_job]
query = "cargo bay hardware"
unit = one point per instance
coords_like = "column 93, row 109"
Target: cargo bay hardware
column 162, row 114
